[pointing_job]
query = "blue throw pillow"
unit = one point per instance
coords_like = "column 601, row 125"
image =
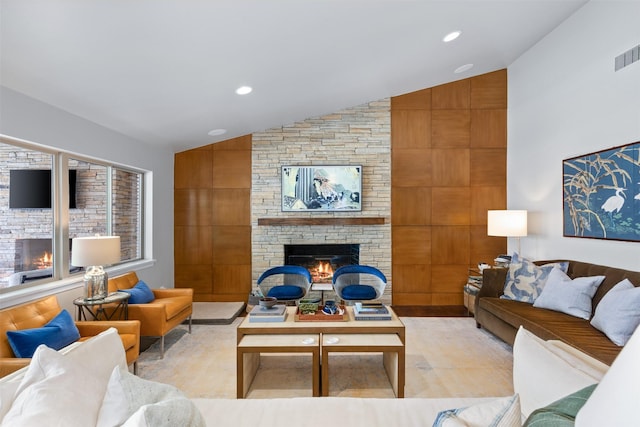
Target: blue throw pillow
column 58, row 333
column 139, row 294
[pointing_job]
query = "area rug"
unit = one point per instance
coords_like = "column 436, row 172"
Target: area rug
column 216, row 313
column 445, row 357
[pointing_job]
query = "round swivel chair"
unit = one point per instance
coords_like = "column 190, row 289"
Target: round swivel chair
column 359, row 283
column 285, row 282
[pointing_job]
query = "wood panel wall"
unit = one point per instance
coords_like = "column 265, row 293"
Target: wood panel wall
column 212, row 213
column 448, row 167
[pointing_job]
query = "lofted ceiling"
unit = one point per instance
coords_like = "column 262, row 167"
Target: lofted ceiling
column 165, row 71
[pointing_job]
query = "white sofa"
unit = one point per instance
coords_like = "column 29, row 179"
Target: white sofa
column 89, row 384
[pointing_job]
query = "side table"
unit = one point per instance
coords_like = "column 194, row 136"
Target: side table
column 94, row 310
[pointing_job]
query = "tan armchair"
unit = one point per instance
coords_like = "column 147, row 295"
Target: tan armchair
column 36, row 314
column 169, row 308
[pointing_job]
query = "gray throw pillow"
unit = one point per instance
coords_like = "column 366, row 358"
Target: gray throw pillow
column 565, row 295
column 618, row 313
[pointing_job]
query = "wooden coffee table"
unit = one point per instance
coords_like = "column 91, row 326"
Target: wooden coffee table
column 386, row 336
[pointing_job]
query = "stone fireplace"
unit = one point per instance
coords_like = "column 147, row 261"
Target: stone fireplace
column 357, row 135
column 322, row 259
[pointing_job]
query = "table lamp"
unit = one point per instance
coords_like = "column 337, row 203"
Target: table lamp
column 93, row 253
column 507, row 223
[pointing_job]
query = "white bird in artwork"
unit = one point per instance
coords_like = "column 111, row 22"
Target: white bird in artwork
column 614, row 203
column 637, row 195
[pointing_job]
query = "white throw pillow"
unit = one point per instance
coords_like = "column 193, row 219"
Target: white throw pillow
column 55, row 391
column 66, row 389
column 543, row 373
column 140, row 402
column 504, row 412
column 614, row 402
column 618, row 313
column 570, row 296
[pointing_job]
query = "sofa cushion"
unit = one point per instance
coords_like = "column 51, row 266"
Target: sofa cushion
column 175, row 305
column 503, row 412
column 570, row 296
column 139, row 294
column 140, row 402
column 618, row 313
column 525, row 280
column 543, row 373
column 561, row 413
column 553, row 325
column 59, row 332
column 614, row 402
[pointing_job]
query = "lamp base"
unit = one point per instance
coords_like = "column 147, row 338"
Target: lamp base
column 95, row 283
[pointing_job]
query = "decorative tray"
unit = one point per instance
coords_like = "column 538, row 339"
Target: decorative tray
column 320, row 316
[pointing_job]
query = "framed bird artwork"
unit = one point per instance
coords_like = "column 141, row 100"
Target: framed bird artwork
column 601, row 194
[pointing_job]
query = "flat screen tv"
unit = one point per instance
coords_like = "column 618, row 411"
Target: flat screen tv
column 325, row 188
column 31, row 189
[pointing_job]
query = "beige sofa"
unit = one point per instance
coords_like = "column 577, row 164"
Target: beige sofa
column 503, row 317
column 544, row 371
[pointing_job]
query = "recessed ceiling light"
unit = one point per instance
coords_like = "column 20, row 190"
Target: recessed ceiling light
column 463, row 68
column 451, row 36
column 243, row 90
column 217, row 132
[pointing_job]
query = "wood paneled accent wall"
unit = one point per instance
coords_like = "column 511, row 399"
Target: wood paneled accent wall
column 212, row 232
column 448, row 167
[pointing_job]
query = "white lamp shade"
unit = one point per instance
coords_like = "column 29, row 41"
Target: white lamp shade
column 95, row 250
column 507, row 223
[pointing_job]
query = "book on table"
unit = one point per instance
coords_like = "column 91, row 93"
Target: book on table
column 370, row 308
column 370, row 311
column 276, row 310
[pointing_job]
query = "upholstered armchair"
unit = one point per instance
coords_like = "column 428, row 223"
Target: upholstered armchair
column 36, row 314
column 168, row 309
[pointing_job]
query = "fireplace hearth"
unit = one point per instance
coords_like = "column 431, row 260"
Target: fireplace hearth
column 322, row 259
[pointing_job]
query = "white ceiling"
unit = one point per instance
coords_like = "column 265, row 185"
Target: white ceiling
column 165, row 71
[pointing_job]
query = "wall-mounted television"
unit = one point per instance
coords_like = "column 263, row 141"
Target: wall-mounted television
column 325, row 188
column 31, row 189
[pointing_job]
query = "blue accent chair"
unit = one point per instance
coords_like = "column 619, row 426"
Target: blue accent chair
column 359, row 283
column 285, row 282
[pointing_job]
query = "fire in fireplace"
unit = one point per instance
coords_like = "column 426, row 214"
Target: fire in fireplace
column 322, row 259
column 33, row 254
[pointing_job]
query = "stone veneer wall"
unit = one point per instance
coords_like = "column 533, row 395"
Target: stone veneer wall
column 358, row 135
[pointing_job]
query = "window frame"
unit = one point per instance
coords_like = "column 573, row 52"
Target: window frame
column 62, row 280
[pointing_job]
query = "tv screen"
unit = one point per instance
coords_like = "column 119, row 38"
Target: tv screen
column 31, row 189
column 322, row 188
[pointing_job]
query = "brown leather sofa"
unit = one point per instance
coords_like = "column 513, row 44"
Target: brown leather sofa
column 37, row 313
column 503, row 317
column 170, row 308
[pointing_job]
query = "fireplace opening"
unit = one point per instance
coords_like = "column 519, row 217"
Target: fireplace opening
column 322, row 259
column 34, row 261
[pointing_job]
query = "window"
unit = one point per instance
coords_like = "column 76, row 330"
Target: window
column 49, row 197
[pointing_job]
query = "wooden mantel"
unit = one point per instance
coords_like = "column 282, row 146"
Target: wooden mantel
column 322, row 221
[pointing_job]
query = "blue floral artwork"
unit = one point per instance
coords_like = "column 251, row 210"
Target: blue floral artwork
column 601, row 194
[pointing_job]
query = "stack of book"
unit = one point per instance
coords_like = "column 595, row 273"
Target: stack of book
column 277, row 313
column 371, row 311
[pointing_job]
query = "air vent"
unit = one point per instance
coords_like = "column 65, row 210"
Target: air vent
column 628, row 58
